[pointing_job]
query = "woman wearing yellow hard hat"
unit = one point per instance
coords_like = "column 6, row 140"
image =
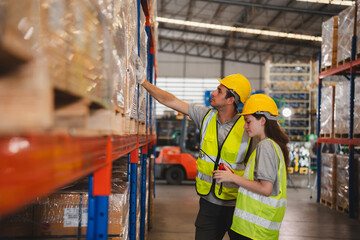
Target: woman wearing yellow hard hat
column 261, row 200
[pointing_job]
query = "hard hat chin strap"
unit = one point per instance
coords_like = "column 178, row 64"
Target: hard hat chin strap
column 236, row 96
column 268, row 115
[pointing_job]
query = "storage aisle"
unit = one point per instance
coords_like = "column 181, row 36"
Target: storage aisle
column 175, row 210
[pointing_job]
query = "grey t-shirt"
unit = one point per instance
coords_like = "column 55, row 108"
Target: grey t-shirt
column 267, row 164
column 197, row 114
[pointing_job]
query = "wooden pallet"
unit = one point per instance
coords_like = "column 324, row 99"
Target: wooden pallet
column 341, row 135
column 347, row 60
column 344, row 61
column 328, row 67
column 327, row 203
column 325, row 135
column 342, row 209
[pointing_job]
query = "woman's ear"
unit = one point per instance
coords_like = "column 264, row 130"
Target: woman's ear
column 263, row 121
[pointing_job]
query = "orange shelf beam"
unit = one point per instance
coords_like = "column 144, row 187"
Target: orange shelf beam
column 34, row 166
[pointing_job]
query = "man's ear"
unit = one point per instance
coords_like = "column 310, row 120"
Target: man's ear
column 231, row 100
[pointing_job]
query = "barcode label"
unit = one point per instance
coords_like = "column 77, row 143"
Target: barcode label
column 71, row 217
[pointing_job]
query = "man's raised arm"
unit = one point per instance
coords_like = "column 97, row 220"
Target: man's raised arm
column 160, row 95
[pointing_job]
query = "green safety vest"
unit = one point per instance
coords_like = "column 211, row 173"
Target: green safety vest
column 232, row 153
column 257, row 216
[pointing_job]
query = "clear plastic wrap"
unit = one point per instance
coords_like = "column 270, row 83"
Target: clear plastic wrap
column 326, row 110
column 24, row 82
column 342, row 181
column 115, row 16
column 132, row 54
column 143, row 57
column 328, row 177
column 329, row 42
column 357, row 109
column 346, row 31
column 71, row 36
column 119, row 53
column 59, row 213
column 342, row 109
column 154, row 30
column 90, row 53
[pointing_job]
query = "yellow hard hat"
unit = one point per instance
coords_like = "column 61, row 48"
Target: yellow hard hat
column 261, row 103
column 239, row 84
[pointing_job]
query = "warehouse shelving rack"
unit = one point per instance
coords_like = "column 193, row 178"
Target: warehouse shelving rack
column 288, row 84
column 35, row 165
column 279, row 86
column 351, row 68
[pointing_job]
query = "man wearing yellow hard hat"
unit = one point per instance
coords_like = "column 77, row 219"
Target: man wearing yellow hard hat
column 223, row 142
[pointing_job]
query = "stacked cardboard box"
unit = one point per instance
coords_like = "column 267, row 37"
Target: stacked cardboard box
column 328, row 179
column 329, row 42
column 342, row 109
column 327, row 111
column 346, row 32
column 70, row 50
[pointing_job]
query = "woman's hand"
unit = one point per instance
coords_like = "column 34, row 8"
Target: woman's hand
column 224, row 175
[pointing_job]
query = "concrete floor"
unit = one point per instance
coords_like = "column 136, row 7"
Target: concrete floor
column 176, row 207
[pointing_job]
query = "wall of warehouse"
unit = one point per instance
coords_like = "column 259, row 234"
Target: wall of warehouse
column 189, row 77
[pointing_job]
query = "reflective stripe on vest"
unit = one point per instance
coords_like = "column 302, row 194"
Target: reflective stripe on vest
column 257, row 216
column 232, row 154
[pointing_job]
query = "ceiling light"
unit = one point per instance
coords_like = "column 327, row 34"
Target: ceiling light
column 333, row 2
column 239, row 29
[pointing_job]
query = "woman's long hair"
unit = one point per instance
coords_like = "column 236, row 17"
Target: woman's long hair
column 274, row 131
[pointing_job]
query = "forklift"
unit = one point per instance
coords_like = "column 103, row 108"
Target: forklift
column 177, row 149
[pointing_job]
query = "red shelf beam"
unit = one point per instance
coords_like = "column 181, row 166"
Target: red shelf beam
column 340, row 141
column 341, row 70
column 33, row 166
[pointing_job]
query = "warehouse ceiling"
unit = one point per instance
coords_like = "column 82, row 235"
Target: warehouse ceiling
column 288, row 16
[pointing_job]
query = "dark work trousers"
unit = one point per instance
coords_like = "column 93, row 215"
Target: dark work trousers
column 213, row 221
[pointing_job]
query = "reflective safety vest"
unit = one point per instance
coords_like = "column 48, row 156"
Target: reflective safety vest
column 232, row 153
column 257, row 216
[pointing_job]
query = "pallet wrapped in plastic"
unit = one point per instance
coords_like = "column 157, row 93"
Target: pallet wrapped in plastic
column 327, row 111
column 24, row 69
column 143, row 57
column 89, row 54
column 64, row 214
column 342, row 110
column 342, row 181
column 57, row 52
column 346, row 32
column 328, row 178
column 154, row 31
column 114, row 13
column 131, row 56
column 357, row 109
column 329, row 42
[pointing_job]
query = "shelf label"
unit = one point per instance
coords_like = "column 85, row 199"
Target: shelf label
column 71, row 217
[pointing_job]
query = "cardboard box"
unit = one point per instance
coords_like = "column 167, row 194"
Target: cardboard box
column 64, row 214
